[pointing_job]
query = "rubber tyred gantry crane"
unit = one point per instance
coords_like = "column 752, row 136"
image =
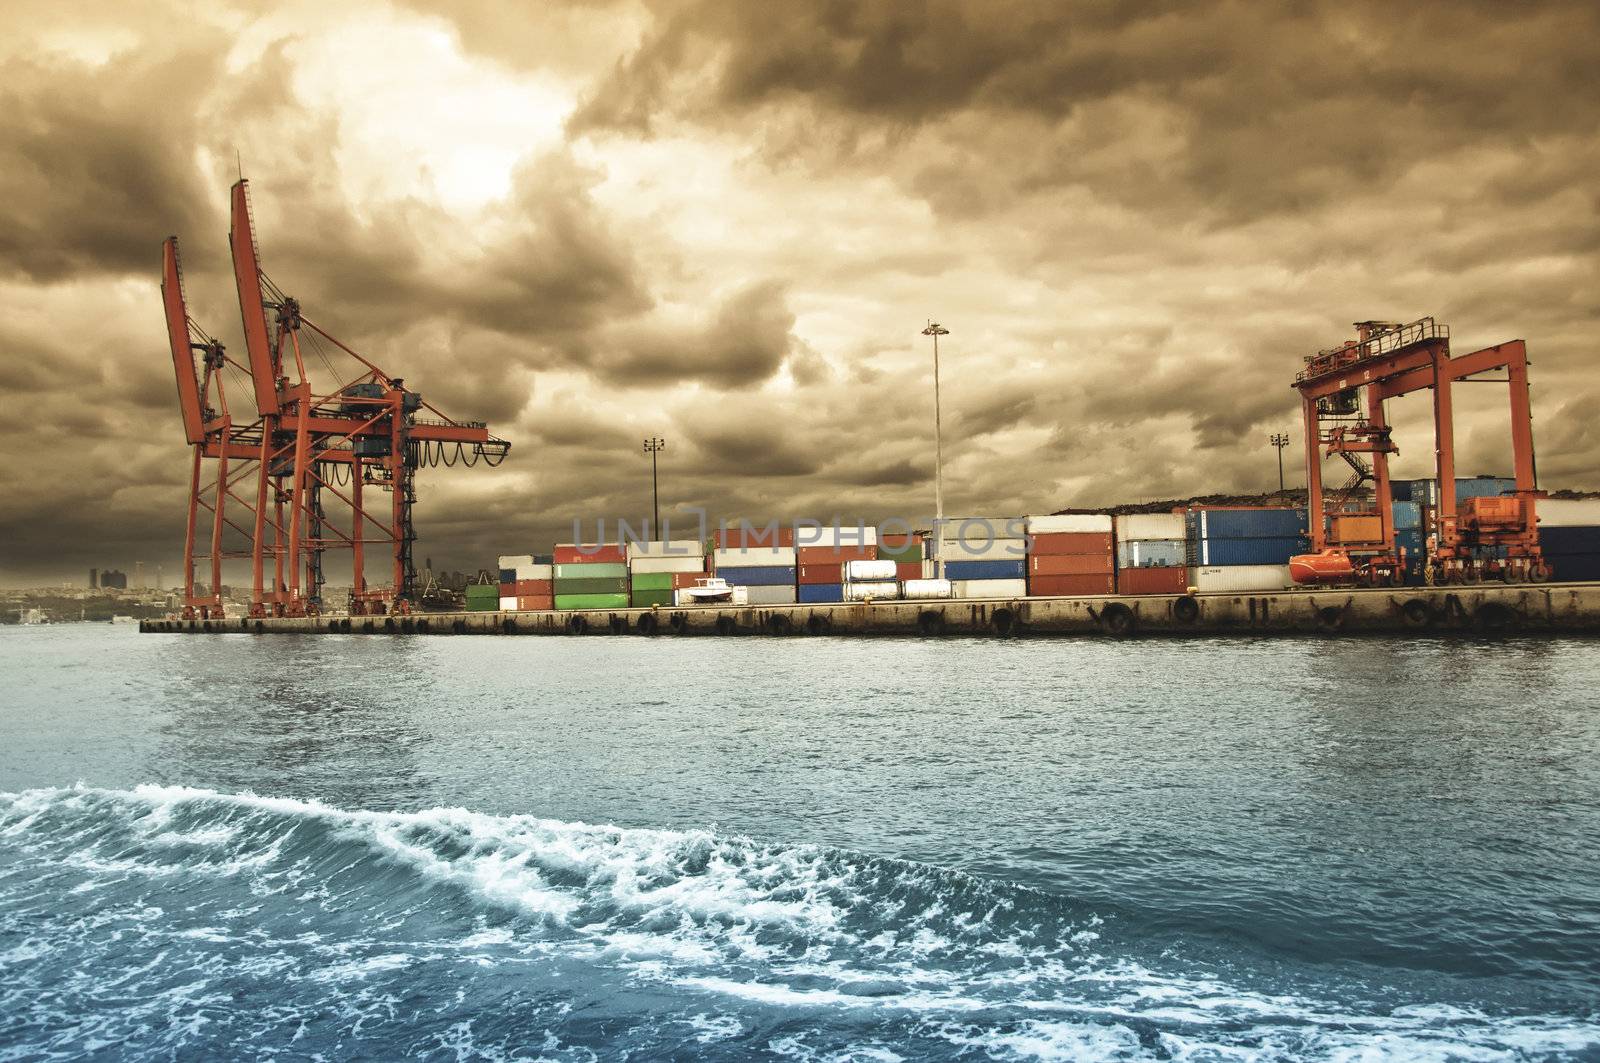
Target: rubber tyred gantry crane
column 315, row 454
column 1347, row 387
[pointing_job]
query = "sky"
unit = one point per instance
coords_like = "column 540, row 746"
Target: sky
column 726, row 224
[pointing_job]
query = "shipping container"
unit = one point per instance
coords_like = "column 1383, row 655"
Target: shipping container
column 535, row 587
column 1567, row 512
column 686, row 579
column 870, row 571
column 1355, row 528
column 597, row 570
column 508, row 589
column 508, row 575
column 1407, row 515
column 1483, row 487
column 483, row 605
column 591, row 585
column 989, row 588
column 593, row 554
column 902, row 548
column 536, row 571
column 592, row 601
column 1574, row 568
column 761, row 576
column 672, row 549
column 1569, row 540
column 1071, row 586
column 908, row 570
column 1209, row 552
column 648, row 599
column 1070, row 524
column 513, row 560
column 1225, row 579
column 1071, row 543
column 1153, row 580
column 1262, row 523
column 651, row 581
column 833, row 555
column 880, row 591
column 535, row 603
column 820, row 593
column 994, row 550
column 755, row 537
column 482, row 590
column 1150, row 526
column 1069, row 565
column 508, row 603
column 985, row 570
column 785, row 595
column 1152, row 553
column 824, row 573
column 978, row 529
column 836, row 535
column 753, row 557
column 926, row 589
column 667, row 564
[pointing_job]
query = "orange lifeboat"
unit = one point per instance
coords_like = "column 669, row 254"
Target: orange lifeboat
column 1329, row 566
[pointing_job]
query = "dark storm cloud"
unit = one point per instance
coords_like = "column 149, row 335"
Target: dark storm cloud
column 743, row 344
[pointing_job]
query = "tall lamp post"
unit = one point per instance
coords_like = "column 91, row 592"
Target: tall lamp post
column 936, row 330
column 652, row 447
column 1280, row 440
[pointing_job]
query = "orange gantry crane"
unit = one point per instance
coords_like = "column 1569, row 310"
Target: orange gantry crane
column 297, row 478
column 1342, row 393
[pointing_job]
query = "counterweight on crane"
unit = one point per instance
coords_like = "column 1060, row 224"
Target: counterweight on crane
column 315, row 455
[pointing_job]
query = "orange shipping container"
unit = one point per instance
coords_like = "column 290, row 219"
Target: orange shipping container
column 599, row 553
column 1071, row 543
column 535, row 587
column 834, row 555
column 680, row 580
column 811, row 575
column 536, row 602
column 1348, row 528
column 1070, row 565
column 736, row 538
column 1153, row 581
column 905, row 570
column 1070, row 585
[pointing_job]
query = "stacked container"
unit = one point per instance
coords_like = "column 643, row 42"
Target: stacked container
column 983, row 557
column 1246, row 549
column 822, row 555
column 483, row 597
column 1569, row 537
column 591, row 576
column 907, row 551
column 761, row 560
column 1070, row 554
column 1152, row 554
column 1408, row 538
column 531, row 583
column 871, row 578
column 656, row 569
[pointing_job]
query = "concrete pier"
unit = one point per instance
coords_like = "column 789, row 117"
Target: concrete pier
column 1571, row 608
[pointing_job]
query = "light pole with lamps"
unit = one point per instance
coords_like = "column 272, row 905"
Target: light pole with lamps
column 936, row 330
column 1280, row 440
column 652, row 447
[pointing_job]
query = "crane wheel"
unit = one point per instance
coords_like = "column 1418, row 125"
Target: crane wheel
column 1539, row 574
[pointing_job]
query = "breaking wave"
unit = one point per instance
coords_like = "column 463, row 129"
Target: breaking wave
column 174, row 920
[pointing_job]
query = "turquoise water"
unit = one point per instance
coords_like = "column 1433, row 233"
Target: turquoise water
column 797, row 848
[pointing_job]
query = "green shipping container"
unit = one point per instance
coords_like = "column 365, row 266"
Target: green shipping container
column 645, row 599
column 652, row 581
column 483, row 605
column 591, row 601
column 592, row 586
column 900, row 554
column 483, row 590
column 594, row 570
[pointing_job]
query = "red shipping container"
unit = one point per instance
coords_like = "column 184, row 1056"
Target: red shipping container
column 834, row 555
column 508, row 590
column 740, row 538
column 826, row 573
column 608, row 553
column 535, row 587
column 1071, row 543
column 908, row 570
column 1070, row 586
column 1070, row 565
column 1173, row 580
column 681, row 580
column 898, row 540
column 532, row 602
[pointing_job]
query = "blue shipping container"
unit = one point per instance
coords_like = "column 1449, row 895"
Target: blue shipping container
column 1570, row 568
column 1246, row 524
column 1409, row 540
column 1575, row 540
column 759, row 576
column 1147, row 553
column 985, row 569
column 816, row 593
column 1483, row 487
column 508, row 575
column 1250, row 551
column 1407, row 515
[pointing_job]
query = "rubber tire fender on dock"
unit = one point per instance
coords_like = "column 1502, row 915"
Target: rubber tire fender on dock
column 1186, row 609
column 1118, row 621
column 577, row 624
column 646, row 624
column 931, row 623
column 1417, row 613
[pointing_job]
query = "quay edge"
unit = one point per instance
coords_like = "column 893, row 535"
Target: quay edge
column 1555, row 608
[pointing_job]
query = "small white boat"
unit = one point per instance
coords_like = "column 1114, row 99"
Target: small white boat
column 712, row 590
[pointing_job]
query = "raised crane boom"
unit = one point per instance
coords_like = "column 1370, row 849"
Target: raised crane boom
column 264, row 362
column 180, row 335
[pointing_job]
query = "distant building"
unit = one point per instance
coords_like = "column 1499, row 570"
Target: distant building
column 114, row 580
column 94, row 579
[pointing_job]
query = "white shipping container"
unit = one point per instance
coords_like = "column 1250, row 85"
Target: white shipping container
column 868, row 571
column 513, row 560
column 1150, row 526
column 1567, row 512
column 667, row 564
column 508, row 604
column 978, row 550
column 1069, row 522
column 843, row 535
column 675, row 548
column 927, row 588
column 753, row 556
column 1225, row 579
column 989, row 588
column 977, row 529
column 784, row 595
column 879, row 591
column 532, row 571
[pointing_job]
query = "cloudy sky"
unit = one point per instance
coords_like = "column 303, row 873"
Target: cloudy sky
column 725, row 223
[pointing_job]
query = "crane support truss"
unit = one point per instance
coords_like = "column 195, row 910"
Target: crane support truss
column 1349, row 384
column 310, row 471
